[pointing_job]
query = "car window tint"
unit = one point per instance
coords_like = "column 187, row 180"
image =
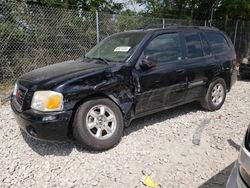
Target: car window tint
column 205, row 45
column 193, row 43
column 164, row 48
column 217, row 41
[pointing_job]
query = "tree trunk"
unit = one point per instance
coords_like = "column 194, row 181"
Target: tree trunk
column 192, row 13
column 66, row 4
column 226, row 21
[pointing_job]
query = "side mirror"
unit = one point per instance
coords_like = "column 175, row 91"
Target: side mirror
column 147, row 63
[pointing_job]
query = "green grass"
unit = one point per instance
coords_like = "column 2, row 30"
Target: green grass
column 6, row 86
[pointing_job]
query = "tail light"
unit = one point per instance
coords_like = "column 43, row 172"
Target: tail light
column 235, row 59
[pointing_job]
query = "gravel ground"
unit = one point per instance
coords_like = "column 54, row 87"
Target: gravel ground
column 181, row 147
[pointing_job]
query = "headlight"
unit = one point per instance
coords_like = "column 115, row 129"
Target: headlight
column 47, row 101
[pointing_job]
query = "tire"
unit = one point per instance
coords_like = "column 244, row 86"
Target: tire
column 210, row 102
column 92, row 119
column 244, row 76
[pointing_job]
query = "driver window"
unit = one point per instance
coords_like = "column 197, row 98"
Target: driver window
column 164, row 48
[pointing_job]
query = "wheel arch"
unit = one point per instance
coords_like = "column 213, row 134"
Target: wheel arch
column 120, row 104
column 225, row 76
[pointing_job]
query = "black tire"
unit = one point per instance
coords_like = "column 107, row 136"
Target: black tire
column 83, row 135
column 244, row 76
column 207, row 103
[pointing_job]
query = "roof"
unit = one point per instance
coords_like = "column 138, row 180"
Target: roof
column 173, row 27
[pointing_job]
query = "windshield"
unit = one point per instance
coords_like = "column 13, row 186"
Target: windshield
column 116, row 48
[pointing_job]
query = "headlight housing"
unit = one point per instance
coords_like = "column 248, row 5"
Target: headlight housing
column 47, row 101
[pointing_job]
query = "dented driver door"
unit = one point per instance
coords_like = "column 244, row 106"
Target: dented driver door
column 163, row 83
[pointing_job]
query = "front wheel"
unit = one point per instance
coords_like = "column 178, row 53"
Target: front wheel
column 98, row 124
column 216, row 95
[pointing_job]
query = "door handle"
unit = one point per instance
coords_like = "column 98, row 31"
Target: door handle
column 181, row 71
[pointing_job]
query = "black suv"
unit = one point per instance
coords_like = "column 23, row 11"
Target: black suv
column 126, row 76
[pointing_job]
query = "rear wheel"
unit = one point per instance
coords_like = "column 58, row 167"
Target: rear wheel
column 216, row 95
column 98, row 124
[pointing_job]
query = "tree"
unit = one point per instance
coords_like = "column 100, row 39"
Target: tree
column 235, row 9
column 156, row 8
column 195, row 9
column 101, row 5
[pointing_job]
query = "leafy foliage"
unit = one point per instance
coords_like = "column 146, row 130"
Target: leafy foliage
column 36, row 33
column 195, row 9
column 90, row 5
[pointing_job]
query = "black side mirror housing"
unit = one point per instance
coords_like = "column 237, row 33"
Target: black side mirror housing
column 147, row 63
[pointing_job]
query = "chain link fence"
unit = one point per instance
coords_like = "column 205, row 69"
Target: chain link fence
column 34, row 36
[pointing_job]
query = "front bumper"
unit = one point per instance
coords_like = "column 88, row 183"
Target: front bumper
column 235, row 180
column 52, row 126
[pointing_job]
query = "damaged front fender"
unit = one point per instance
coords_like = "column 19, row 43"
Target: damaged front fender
column 113, row 84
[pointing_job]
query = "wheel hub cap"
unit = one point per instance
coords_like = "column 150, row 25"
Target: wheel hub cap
column 101, row 122
column 217, row 94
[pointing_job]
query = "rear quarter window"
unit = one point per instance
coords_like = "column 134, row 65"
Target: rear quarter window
column 217, row 41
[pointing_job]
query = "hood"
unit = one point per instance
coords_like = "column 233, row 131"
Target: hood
column 59, row 72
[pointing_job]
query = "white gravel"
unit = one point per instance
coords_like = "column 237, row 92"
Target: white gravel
column 167, row 146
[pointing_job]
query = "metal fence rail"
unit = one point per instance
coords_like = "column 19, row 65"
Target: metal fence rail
column 33, row 36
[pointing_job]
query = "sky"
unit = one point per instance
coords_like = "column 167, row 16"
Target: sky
column 130, row 5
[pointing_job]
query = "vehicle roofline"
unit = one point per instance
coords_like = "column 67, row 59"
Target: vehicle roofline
column 172, row 27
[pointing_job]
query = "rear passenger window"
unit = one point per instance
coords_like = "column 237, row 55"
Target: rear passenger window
column 193, row 42
column 217, row 41
column 205, row 45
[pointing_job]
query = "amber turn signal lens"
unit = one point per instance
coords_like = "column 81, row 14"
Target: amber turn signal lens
column 54, row 102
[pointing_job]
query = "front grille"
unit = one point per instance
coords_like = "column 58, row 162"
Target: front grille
column 20, row 96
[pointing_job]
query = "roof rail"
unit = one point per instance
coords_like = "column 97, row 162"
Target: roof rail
column 158, row 26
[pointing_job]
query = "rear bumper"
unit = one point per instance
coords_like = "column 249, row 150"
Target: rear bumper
column 234, row 75
column 41, row 126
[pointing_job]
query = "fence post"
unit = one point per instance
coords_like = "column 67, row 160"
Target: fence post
column 211, row 17
column 205, row 23
column 163, row 23
column 235, row 31
column 97, row 27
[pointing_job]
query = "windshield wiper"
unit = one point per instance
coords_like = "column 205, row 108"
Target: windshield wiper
column 106, row 61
